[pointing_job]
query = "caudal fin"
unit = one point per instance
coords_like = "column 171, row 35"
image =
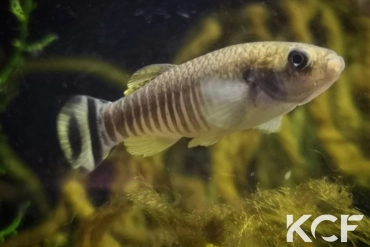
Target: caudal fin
column 80, row 132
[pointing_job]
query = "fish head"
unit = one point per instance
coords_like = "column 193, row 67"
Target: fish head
column 296, row 72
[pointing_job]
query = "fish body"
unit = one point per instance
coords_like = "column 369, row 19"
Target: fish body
column 232, row 89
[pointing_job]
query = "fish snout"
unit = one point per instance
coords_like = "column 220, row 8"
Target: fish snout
column 335, row 63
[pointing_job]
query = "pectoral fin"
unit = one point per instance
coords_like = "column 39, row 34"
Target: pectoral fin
column 224, row 101
column 147, row 145
column 204, row 141
column 271, row 126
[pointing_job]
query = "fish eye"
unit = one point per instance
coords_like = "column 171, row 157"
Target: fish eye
column 298, row 59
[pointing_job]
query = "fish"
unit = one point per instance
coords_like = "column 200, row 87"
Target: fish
column 235, row 88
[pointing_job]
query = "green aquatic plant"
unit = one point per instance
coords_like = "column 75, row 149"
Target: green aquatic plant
column 22, row 10
column 9, row 162
column 11, row 229
column 17, row 64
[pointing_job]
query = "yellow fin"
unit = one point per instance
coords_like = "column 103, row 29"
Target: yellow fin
column 148, row 145
column 144, row 75
column 204, row 141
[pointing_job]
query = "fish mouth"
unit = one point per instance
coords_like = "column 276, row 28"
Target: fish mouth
column 335, row 66
column 335, row 63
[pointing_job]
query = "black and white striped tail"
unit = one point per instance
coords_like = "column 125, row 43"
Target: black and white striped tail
column 80, row 131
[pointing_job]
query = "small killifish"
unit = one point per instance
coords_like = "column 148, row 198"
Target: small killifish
column 232, row 89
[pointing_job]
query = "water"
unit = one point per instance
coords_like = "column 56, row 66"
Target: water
column 237, row 192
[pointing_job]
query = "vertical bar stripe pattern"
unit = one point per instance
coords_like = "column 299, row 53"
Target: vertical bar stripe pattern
column 94, row 135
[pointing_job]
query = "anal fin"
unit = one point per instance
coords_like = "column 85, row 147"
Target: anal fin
column 148, row 145
column 204, row 141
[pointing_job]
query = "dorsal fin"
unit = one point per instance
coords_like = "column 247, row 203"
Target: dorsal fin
column 144, row 75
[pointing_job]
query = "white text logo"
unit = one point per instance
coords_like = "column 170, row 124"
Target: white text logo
column 345, row 227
